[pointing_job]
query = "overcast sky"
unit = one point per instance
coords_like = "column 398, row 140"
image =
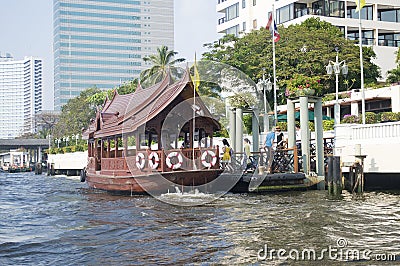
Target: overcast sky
column 26, row 28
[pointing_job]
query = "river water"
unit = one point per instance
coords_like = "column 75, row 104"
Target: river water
column 59, row 221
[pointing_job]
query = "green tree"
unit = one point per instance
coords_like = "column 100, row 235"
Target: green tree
column 304, row 48
column 162, row 63
column 394, row 74
column 76, row 114
column 99, row 98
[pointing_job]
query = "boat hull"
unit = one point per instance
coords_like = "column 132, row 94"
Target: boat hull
column 151, row 183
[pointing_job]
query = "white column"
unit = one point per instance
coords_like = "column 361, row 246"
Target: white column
column 319, row 137
column 239, row 130
column 305, row 134
column 255, row 128
column 291, row 126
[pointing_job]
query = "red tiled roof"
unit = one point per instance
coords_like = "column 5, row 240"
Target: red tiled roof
column 130, row 111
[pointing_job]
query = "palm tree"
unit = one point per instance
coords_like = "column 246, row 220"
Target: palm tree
column 162, row 62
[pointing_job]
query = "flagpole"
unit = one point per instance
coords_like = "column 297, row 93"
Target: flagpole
column 274, row 66
column 194, row 108
column 361, row 64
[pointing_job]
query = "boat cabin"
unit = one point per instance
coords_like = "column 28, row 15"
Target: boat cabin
column 163, row 128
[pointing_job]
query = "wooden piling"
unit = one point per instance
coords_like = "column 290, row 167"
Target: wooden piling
column 329, row 174
column 337, row 181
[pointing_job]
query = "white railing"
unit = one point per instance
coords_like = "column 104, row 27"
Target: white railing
column 376, row 131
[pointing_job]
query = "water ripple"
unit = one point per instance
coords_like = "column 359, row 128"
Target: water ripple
column 54, row 220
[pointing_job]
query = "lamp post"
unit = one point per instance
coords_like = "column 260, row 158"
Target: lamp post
column 58, row 142
column 265, row 84
column 337, row 67
column 49, row 137
column 76, row 138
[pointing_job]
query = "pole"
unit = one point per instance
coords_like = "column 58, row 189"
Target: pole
column 337, row 107
column 266, row 121
column 274, row 66
column 361, row 65
column 194, row 110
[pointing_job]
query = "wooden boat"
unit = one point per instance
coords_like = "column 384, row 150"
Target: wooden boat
column 133, row 141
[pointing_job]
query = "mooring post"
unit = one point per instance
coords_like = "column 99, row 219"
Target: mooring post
column 337, row 183
column 329, row 174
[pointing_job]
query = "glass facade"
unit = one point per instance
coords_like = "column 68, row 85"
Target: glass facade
column 102, row 42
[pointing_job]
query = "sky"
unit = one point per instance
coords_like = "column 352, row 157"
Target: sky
column 26, row 28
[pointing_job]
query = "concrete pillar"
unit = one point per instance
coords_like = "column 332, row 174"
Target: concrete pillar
column 319, row 137
column 291, row 126
column 39, row 154
column 239, row 130
column 305, row 134
column 232, row 127
column 255, row 128
column 395, row 93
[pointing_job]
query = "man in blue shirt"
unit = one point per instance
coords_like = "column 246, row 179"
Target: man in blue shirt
column 269, row 141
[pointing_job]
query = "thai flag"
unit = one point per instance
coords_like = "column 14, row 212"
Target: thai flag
column 273, row 30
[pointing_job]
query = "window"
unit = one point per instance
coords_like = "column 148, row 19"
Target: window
column 366, row 12
column 389, row 15
column 367, row 36
column 254, row 2
column 244, row 26
column 285, row 14
column 255, row 24
column 243, row 3
column 232, row 12
column 336, row 9
column 233, row 30
column 392, row 40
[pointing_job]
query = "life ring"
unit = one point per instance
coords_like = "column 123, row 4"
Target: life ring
column 177, row 165
column 140, row 161
column 154, row 155
column 210, row 163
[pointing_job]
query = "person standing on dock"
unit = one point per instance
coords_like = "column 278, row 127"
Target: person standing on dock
column 268, row 146
column 226, row 157
column 279, row 138
column 247, row 153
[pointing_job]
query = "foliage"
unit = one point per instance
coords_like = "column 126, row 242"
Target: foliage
column 76, row 114
column 300, row 85
column 350, row 119
column 389, row 116
column 162, row 64
column 394, row 74
column 282, row 125
column 328, row 125
column 304, row 48
column 99, row 98
column 371, row 118
column 247, row 121
column 328, row 97
column 242, row 100
column 311, row 126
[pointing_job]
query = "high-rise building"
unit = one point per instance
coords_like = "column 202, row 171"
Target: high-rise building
column 102, row 42
column 20, row 95
column 380, row 20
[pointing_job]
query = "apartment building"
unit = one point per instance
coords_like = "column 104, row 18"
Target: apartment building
column 380, row 20
column 20, row 95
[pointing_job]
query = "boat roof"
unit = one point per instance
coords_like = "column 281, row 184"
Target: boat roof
column 128, row 112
